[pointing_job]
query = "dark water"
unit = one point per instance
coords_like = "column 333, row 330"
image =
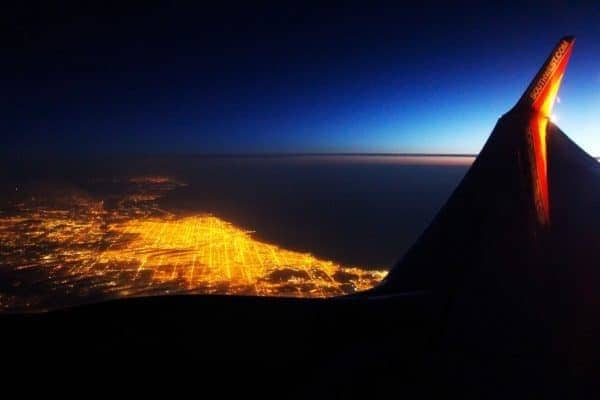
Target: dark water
column 356, row 210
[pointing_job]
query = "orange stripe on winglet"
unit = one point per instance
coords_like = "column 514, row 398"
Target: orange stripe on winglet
column 540, row 97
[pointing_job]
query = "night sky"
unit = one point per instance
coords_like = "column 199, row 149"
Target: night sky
column 155, row 78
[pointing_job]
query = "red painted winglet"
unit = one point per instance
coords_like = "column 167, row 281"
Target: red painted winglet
column 539, row 97
column 542, row 90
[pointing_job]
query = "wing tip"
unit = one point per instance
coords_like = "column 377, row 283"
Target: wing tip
column 546, row 82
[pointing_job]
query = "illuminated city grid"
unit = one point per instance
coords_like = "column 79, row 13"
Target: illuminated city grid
column 53, row 256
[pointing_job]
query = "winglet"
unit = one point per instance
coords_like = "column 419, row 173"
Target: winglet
column 541, row 92
column 539, row 98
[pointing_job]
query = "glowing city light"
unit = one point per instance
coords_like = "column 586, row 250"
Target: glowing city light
column 54, row 257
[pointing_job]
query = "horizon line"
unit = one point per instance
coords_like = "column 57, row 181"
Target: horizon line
column 271, row 154
column 309, row 154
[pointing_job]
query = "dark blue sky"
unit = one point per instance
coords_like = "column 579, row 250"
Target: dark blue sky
column 293, row 77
